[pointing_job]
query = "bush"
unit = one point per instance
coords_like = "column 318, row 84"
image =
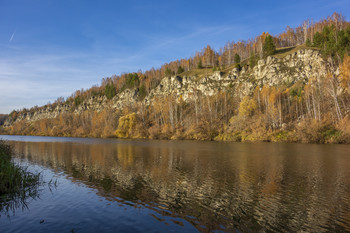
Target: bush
column 313, row 131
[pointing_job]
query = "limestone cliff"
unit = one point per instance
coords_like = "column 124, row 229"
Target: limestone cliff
column 299, row 65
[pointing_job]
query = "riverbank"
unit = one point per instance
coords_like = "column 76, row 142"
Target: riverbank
column 238, row 130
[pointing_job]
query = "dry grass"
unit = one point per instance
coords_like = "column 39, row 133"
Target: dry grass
column 283, row 52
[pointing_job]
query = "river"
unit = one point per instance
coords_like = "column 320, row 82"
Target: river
column 110, row 185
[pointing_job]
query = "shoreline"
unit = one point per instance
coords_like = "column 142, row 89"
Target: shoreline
column 296, row 141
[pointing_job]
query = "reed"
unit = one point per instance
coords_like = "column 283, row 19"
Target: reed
column 17, row 184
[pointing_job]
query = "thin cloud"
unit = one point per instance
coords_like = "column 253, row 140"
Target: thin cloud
column 34, row 80
column 12, row 36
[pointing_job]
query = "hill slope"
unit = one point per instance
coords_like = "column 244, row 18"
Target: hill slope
column 255, row 90
column 279, row 99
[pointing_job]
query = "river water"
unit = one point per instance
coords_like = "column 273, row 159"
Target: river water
column 110, row 185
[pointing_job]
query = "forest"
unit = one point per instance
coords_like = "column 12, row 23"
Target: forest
column 313, row 112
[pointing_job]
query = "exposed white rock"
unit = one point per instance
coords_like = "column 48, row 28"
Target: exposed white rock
column 300, row 65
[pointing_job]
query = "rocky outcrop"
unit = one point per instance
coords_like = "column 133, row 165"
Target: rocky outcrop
column 300, row 65
column 297, row 66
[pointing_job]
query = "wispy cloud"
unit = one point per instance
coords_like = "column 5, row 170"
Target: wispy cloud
column 36, row 79
column 12, row 36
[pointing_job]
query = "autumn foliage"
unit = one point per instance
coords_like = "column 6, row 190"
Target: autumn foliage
column 316, row 111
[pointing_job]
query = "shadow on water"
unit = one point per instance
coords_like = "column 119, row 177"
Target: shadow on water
column 213, row 186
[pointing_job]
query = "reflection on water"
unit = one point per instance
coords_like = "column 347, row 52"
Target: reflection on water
column 213, row 186
column 28, row 189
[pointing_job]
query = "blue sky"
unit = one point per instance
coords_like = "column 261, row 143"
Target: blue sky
column 51, row 48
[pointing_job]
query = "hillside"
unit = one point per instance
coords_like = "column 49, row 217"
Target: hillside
column 298, row 93
column 284, row 69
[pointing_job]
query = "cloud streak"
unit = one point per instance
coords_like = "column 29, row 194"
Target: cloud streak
column 12, row 36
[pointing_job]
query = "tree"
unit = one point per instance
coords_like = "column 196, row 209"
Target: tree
column 209, row 56
column 199, row 65
column 78, row 100
column 247, row 107
column 252, row 61
column 237, row 58
column 110, row 91
column 142, row 92
column 318, row 40
column 269, row 47
column 132, row 80
column 168, row 72
column 180, row 70
column 126, row 125
column 308, row 42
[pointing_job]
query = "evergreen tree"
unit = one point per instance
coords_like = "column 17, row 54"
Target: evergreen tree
column 168, row 72
column 110, row 91
column 308, row 43
column 180, row 70
column 142, row 92
column 237, row 58
column 199, row 65
column 318, row 40
column 132, row 80
column 269, row 47
column 252, row 61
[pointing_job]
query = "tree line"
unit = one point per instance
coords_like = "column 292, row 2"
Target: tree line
column 331, row 35
column 317, row 111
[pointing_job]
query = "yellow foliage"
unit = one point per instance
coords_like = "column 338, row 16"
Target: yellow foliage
column 126, row 125
column 345, row 72
column 247, row 107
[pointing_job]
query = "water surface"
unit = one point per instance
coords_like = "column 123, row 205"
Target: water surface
column 110, row 185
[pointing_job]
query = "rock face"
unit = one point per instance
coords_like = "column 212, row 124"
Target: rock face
column 298, row 66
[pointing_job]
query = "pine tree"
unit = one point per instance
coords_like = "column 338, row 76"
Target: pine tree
column 180, row 70
column 200, row 66
column 308, row 42
column 269, row 47
column 168, row 72
column 110, row 91
column 237, row 58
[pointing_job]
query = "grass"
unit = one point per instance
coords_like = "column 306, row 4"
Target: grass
column 198, row 72
column 285, row 51
column 16, row 183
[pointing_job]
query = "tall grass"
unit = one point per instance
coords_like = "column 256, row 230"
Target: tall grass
column 16, row 183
